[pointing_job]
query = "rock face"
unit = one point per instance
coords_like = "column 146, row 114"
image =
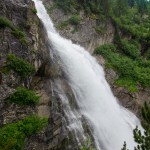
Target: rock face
column 85, row 35
column 36, row 51
column 21, row 16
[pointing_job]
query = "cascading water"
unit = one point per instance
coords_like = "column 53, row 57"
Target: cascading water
column 110, row 123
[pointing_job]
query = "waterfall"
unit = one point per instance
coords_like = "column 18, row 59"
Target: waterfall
column 110, row 123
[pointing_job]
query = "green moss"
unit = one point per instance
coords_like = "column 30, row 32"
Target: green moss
column 24, row 96
column 19, row 65
column 12, row 136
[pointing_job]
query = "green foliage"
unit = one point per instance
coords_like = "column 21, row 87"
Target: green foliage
column 4, row 22
column 100, row 30
column 127, row 83
column 24, row 96
column 131, row 71
column 34, row 10
column 130, row 48
column 87, row 145
column 63, row 25
column 19, row 65
column 104, row 49
column 134, row 24
column 20, row 35
column 124, row 146
column 143, row 138
column 74, row 20
column 12, row 136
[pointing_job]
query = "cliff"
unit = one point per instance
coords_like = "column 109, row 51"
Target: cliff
column 92, row 32
column 23, row 36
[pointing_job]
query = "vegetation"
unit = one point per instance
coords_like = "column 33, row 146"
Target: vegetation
column 19, row 65
column 5, row 22
column 142, row 139
column 74, row 20
column 131, row 68
column 34, row 10
column 23, row 96
column 87, row 145
column 12, row 136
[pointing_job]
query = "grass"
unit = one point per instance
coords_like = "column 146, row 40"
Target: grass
column 19, row 65
column 13, row 136
column 24, row 96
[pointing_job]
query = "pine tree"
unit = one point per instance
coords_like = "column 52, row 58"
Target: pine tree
column 121, row 7
column 142, row 7
column 131, row 3
column 142, row 139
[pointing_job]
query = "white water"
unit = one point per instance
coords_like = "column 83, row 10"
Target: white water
column 110, row 123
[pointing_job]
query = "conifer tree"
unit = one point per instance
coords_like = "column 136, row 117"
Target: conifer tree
column 142, row 139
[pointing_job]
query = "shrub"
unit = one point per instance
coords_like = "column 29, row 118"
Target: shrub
column 105, row 49
column 19, row 65
column 12, row 136
column 74, row 20
column 34, row 10
column 4, row 22
column 131, row 72
column 20, row 35
column 24, row 96
column 62, row 25
column 130, row 49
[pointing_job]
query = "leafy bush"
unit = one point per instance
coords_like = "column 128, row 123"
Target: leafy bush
column 19, row 65
column 131, row 72
column 34, row 10
column 4, row 22
column 130, row 49
column 12, row 136
column 20, row 35
column 62, row 25
column 74, row 20
column 104, row 49
column 24, row 96
column 142, row 138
